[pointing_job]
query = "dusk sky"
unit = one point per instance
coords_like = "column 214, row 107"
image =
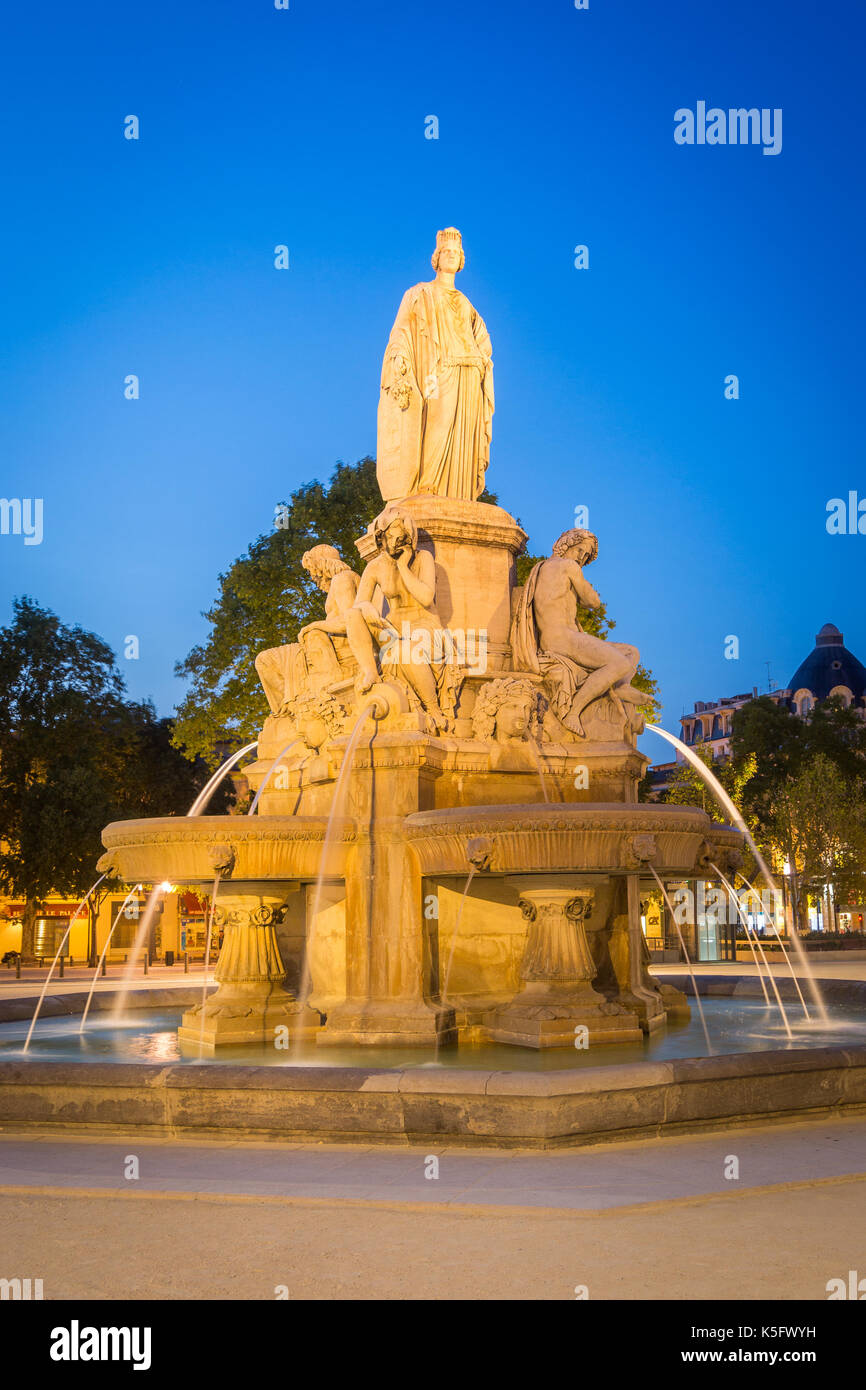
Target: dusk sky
column 306, row 127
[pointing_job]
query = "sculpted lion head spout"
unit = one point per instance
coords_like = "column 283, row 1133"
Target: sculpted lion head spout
column 221, row 859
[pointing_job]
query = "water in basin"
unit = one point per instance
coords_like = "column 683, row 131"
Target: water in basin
column 735, row 1026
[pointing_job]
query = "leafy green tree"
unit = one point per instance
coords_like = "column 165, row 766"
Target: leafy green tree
column 776, row 740
column 818, row 824
column 686, row 787
column 806, row 803
column 74, row 755
column 265, row 597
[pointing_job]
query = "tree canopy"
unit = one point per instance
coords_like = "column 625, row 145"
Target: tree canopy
column 264, row 598
column 74, row 755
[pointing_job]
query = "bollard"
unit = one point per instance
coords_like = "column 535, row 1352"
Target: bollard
column 104, row 963
column 61, row 967
column 18, row 968
column 145, row 962
column 186, row 962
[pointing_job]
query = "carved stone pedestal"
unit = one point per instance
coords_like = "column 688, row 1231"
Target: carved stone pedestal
column 557, row 969
column 474, row 545
column 251, row 1003
column 384, row 1004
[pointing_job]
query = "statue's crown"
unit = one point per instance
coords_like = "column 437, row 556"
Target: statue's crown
column 449, row 234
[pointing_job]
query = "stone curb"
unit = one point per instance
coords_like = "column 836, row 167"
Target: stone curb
column 472, row 1106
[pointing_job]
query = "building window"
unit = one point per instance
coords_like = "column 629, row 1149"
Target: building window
column 49, row 934
column 125, row 932
column 841, row 692
column 803, row 702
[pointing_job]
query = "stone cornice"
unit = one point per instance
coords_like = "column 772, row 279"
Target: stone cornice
column 448, row 519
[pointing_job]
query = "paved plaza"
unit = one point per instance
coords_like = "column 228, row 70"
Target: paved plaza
column 652, row 1219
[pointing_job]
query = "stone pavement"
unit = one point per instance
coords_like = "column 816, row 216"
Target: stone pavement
column 829, row 967
column 648, row 1219
column 587, row 1179
column 78, row 977
column 652, row 1219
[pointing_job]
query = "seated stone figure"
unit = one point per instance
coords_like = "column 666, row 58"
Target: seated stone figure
column 315, row 659
column 409, row 635
column 547, row 637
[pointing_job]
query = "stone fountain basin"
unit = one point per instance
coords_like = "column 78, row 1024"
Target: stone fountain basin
column 576, row 838
column 186, row 849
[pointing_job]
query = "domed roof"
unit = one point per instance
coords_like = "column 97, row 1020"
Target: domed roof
column 828, row 665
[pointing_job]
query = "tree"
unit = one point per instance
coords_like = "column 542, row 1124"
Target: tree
column 165, row 782
column 74, row 755
column 686, row 786
column 266, row 596
column 818, row 824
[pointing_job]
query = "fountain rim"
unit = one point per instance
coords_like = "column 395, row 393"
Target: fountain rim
column 191, row 829
column 590, row 814
column 410, row 1104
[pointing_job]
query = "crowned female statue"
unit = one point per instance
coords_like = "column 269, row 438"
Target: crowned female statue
column 436, row 401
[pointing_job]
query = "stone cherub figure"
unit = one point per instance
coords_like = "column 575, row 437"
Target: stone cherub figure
column 285, row 672
column 547, row 637
column 410, row 634
column 436, row 401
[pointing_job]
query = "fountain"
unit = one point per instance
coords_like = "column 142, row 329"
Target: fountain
column 402, row 889
column 550, row 937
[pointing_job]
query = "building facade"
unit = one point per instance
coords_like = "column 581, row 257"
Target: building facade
column 829, row 670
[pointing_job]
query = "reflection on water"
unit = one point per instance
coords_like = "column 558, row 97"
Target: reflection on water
column 735, row 1025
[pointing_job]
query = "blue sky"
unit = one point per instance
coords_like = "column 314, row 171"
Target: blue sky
column 306, row 127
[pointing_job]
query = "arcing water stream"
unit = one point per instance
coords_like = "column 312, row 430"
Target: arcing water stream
column 745, row 921
column 208, row 790
column 77, row 913
column 267, row 777
column 689, row 966
column 131, row 894
column 727, row 804
column 132, row 959
column 204, row 983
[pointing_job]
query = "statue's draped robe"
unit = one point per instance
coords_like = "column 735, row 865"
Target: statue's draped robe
column 435, row 421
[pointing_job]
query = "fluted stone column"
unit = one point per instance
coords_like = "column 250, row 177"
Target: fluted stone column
column 251, row 1003
column 557, row 971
